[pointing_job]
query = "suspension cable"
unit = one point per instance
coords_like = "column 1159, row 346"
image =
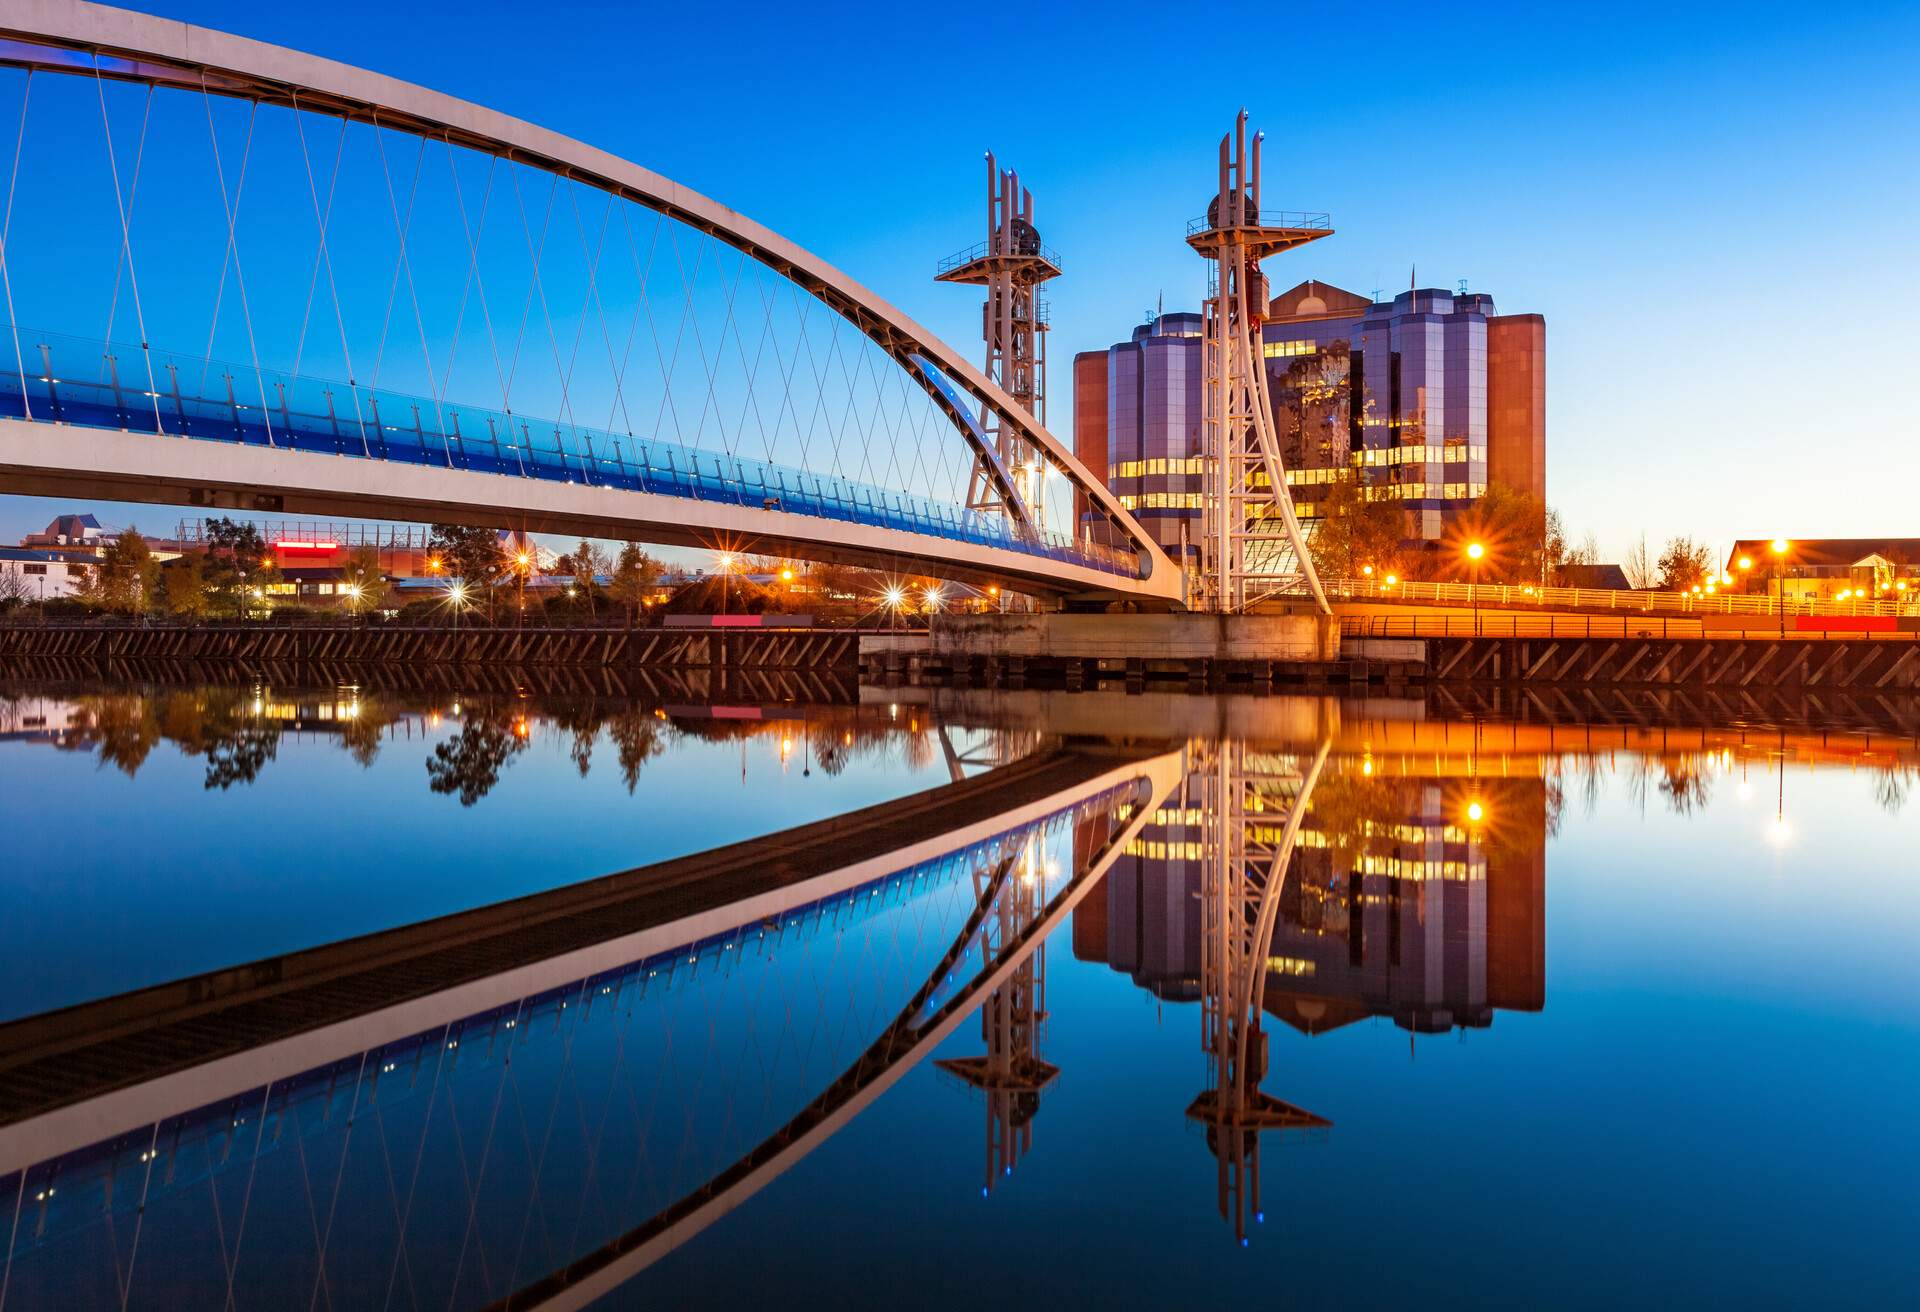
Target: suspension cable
column 126, row 240
column 6, row 229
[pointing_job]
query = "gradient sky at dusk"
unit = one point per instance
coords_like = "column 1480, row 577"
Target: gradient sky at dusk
column 1715, row 211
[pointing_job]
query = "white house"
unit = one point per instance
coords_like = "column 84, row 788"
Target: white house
column 40, row 574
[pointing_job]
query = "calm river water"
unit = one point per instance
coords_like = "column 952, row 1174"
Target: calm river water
column 1158, row 1001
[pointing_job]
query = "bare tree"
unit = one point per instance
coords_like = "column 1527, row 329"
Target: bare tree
column 1638, row 564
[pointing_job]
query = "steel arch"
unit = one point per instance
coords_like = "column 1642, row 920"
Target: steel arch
column 142, row 48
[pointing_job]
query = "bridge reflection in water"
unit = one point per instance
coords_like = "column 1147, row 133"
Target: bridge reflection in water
column 527, row 1105
column 532, row 1103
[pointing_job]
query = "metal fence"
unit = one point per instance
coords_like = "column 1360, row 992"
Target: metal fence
column 1612, row 600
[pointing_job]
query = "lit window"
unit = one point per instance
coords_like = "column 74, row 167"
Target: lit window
column 1285, row 350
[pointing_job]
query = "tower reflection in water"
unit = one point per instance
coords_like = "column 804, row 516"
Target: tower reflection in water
column 1321, row 893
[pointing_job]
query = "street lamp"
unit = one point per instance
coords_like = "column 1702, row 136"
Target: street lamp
column 726, row 571
column 1780, row 576
column 523, row 563
column 1475, row 552
column 457, row 595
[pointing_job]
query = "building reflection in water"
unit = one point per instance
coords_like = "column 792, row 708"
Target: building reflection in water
column 1419, row 900
column 1320, row 894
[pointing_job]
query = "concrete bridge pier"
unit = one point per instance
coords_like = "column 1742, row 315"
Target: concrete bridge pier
column 1075, row 649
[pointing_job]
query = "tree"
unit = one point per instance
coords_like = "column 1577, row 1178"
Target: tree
column 1638, row 565
column 14, row 589
column 588, row 563
column 361, row 581
column 634, row 576
column 1553, row 547
column 183, row 586
column 1585, row 552
column 471, row 555
column 1512, row 526
column 1685, row 564
column 132, row 573
column 237, row 562
column 1357, row 528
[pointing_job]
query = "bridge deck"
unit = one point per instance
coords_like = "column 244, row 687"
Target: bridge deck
column 318, row 416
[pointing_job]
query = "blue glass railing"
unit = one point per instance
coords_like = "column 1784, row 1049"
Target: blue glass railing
column 75, row 381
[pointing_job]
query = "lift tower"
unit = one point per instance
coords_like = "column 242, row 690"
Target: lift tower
column 1251, row 546
column 1011, row 264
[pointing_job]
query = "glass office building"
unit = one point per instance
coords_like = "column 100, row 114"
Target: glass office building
column 1428, row 398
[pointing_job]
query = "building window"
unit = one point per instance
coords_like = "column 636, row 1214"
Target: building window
column 1286, row 350
column 33, row 569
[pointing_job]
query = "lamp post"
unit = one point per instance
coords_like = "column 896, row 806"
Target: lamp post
column 726, row 570
column 1475, row 552
column 1780, row 546
column 522, row 563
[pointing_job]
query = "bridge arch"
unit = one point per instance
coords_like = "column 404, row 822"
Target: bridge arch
column 1107, row 550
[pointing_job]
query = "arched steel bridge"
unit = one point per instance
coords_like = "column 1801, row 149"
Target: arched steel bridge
column 220, row 258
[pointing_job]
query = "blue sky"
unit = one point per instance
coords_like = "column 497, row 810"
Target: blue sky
column 1713, row 210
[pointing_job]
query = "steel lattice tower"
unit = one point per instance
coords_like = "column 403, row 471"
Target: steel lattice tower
column 1011, row 264
column 1251, row 546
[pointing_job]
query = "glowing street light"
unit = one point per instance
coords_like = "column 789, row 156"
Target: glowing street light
column 1476, row 812
column 1475, row 551
column 934, row 596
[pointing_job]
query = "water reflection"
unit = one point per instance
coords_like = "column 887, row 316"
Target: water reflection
column 577, row 1127
column 237, row 729
column 535, row 1104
